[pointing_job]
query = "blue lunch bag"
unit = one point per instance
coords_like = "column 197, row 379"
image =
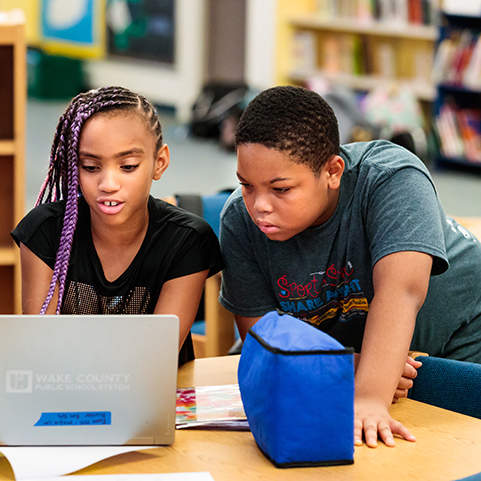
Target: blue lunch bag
column 297, row 387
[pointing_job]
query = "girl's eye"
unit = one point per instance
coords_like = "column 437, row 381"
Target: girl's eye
column 89, row 168
column 281, row 190
column 245, row 185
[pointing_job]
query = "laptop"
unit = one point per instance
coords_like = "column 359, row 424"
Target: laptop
column 88, row 380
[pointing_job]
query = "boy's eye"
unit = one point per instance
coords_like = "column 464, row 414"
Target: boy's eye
column 129, row 167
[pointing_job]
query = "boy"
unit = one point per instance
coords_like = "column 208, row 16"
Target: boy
column 347, row 238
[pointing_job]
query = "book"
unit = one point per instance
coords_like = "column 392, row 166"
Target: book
column 469, row 122
column 472, row 74
column 210, row 407
column 415, row 12
column 304, row 51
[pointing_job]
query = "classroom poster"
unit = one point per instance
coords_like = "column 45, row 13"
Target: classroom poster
column 74, row 28
column 141, row 29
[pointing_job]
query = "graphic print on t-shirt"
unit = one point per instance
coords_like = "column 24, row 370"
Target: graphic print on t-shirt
column 334, row 293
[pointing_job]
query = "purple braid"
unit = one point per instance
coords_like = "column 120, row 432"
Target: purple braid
column 62, row 181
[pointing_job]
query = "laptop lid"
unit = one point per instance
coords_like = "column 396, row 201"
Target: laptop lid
column 88, row 380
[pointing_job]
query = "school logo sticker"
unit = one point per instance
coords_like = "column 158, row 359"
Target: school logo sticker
column 19, row 382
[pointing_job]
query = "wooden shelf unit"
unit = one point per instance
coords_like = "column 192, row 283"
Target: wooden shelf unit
column 13, row 90
column 386, row 50
column 357, row 54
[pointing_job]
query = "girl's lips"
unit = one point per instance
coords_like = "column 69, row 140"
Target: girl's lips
column 110, row 207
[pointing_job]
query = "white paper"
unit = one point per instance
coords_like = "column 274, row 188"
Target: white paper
column 136, row 477
column 38, row 462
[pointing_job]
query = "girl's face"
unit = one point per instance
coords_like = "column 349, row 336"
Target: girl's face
column 282, row 197
column 117, row 164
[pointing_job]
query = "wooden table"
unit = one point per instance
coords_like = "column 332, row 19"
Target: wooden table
column 448, row 446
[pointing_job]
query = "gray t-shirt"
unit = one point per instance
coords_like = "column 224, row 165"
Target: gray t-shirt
column 387, row 204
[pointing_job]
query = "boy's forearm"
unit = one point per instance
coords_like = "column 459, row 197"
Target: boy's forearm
column 400, row 285
column 384, row 351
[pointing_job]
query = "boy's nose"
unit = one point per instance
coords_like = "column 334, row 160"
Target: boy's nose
column 261, row 204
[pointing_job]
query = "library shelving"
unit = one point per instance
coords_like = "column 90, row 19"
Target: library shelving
column 12, row 154
column 359, row 49
column 457, row 109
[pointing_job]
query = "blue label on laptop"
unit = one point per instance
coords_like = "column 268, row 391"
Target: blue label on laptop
column 75, row 419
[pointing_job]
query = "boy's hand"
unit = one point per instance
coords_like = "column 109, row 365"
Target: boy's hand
column 406, row 382
column 372, row 418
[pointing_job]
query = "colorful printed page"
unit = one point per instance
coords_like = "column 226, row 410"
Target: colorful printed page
column 210, row 407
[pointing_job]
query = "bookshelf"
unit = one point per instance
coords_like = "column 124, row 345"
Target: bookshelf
column 12, row 152
column 360, row 48
column 457, row 109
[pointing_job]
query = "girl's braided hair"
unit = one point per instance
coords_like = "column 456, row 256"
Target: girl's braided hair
column 62, row 181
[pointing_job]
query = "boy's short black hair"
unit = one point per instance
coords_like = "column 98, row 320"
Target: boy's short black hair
column 293, row 120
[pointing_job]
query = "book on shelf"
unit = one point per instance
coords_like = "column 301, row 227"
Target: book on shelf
column 304, row 51
column 385, row 65
column 423, row 65
column 402, row 12
column 459, row 132
column 210, row 407
column 469, row 122
column 472, row 73
column 344, row 54
column 415, row 12
column 457, row 60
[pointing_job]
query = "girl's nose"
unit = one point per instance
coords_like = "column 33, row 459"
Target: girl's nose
column 109, row 182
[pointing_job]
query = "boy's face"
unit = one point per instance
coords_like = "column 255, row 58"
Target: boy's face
column 282, row 197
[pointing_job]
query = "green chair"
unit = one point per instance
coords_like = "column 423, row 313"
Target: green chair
column 449, row 384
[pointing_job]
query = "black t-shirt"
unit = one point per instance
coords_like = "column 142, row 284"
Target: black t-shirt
column 177, row 243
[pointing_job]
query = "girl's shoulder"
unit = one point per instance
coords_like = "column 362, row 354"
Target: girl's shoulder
column 43, row 221
column 44, row 212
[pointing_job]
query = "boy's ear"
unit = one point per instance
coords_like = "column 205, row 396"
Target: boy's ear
column 162, row 161
column 335, row 169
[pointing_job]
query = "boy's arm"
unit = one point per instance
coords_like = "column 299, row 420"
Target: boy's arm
column 406, row 382
column 400, row 285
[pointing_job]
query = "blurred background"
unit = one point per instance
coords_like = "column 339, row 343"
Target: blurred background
column 405, row 70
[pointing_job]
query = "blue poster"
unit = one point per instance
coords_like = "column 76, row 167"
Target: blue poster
column 73, row 26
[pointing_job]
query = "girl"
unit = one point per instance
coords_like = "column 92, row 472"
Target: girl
column 96, row 241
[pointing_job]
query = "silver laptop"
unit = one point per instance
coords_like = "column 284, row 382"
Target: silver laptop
column 88, row 380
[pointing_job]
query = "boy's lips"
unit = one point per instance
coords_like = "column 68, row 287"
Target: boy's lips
column 267, row 228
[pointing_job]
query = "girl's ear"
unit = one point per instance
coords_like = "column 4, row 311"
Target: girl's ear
column 335, row 169
column 162, row 161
